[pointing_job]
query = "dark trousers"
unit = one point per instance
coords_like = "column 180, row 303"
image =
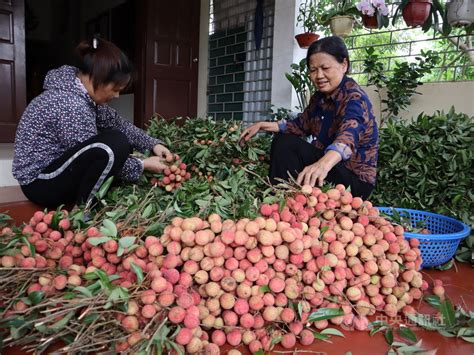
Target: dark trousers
column 291, row 154
column 77, row 175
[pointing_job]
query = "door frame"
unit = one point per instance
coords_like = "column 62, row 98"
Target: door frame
column 141, row 96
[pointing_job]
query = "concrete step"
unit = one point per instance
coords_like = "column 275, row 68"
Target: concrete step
column 14, row 203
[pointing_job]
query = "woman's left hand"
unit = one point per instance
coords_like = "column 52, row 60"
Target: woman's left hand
column 161, row 151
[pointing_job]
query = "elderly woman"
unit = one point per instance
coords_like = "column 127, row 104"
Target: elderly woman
column 339, row 121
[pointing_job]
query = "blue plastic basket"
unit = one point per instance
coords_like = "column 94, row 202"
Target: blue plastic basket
column 438, row 247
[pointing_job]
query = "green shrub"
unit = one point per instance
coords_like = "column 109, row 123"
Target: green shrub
column 428, row 165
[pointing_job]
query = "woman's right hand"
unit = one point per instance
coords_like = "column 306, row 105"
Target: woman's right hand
column 154, row 164
column 250, row 132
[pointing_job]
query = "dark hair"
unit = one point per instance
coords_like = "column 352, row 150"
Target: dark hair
column 333, row 46
column 104, row 62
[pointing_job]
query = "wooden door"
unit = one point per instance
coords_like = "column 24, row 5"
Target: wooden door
column 170, row 60
column 12, row 67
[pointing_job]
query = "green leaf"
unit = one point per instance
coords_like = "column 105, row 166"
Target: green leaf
column 323, row 230
column 433, row 300
column 147, row 211
column 264, row 289
column 60, row 324
column 95, row 241
column 35, row 297
column 88, row 319
column 389, row 336
column 259, row 352
column 320, row 336
column 300, row 310
column 109, row 228
column 118, row 294
column 42, row 328
column 468, row 339
column 377, row 323
column 138, row 271
column 332, row 331
column 176, row 208
column 69, row 295
column 275, row 341
column 407, row 333
column 85, row 291
column 325, row 313
column 409, row 349
column 127, row 242
column 377, row 329
column 104, row 188
column 445, row 333
column 120, row 251
column 447, row 312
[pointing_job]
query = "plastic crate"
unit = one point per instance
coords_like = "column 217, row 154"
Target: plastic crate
column 438, row 247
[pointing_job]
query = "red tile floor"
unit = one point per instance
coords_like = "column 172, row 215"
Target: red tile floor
column 459, row 285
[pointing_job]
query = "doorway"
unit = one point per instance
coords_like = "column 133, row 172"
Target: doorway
column 54, row 27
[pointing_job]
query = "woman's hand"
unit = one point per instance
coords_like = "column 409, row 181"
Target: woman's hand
column 317, row 172
column 255, row 128
column 154, row 164
column 250, row 132
column 161, row 151
column 312, row 174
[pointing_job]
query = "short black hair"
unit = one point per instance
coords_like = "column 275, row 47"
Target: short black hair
column 333, row 46
column 103, row 62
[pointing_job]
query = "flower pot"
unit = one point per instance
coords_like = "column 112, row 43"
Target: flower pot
column 370, row 21
column 305, row 39
column 341, row 25
column 416, row 12
column 460, row 12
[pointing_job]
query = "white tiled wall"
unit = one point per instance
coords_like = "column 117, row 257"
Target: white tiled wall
column 6, row 158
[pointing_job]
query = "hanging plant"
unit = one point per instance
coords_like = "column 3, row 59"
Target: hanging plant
column 308, row 17
column 340, row 17
column 424, row 13
column 460, row 13
column 374, row 13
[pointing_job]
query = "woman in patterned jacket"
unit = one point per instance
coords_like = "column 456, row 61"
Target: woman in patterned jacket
column 69, row 140
column 339, row 121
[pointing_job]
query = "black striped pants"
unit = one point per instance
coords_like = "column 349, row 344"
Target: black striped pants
column 77, row 175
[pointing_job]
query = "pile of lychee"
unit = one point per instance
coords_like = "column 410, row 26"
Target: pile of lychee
column 243, row 282
column 173, row 175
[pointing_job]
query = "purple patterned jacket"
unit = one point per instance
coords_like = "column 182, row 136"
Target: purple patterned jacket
column 63, row 116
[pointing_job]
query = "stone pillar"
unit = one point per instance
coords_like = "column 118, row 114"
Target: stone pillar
column 285, row 52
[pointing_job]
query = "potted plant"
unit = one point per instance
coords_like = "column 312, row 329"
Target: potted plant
column 374, row 13
column 425, row 13
column 399, row 87
column 299, row 79
column 308, row 17
column 460, row 12
column 340, row 17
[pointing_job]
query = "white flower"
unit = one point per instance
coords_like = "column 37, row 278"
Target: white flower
column 383, row 9
column 370, row 7
column 365, row 7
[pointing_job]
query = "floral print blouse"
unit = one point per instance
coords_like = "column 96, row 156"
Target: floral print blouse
column 342, row 121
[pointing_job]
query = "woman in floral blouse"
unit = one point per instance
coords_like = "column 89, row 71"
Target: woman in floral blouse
column 339, row 122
